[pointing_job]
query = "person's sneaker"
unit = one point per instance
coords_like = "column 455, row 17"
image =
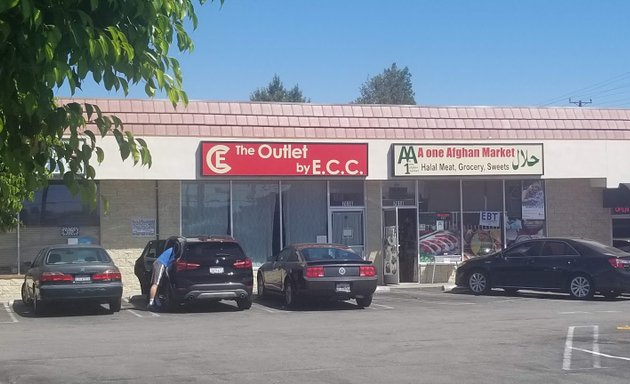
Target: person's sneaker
column 153, row 307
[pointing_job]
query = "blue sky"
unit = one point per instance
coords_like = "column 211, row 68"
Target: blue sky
column 459, row 52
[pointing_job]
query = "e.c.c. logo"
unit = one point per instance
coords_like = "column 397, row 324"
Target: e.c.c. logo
column 215, row 158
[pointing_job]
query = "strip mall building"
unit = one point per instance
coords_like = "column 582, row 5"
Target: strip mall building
column 415, row 189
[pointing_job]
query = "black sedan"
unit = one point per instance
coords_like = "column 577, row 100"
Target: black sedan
column 318, row 270
column 72, row 273
column 578, row 266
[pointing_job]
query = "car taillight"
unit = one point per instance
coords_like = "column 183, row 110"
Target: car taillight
column 243, row 264
column 367, row 271
column 54, row 277
column 314, row 272
column 109, row 275
column 619, row 263
column 181, row 265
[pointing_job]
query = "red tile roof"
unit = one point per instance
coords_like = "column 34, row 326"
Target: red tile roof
column 394, row 122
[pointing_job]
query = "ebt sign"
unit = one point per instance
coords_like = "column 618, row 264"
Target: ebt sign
column 283, row 159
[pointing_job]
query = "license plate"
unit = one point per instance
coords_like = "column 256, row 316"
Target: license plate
column 343, row 287
column 215, row 270
column 82, row 279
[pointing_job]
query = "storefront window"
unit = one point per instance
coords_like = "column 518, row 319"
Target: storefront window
column 256, row 213
column 438, row 219
column 346, row 193
column 399, row 193
column 303, row 211
column 205, row 208
column 54, row 216
column 482, row 217
column 55, row 206
column 525, row 210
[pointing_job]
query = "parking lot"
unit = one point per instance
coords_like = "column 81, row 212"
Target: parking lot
column 406, row 336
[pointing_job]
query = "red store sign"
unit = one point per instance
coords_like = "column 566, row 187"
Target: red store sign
column 283, row 159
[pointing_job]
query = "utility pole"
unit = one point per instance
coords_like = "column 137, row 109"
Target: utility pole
column 579, row 103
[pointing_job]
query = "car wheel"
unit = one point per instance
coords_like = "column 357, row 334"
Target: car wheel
column 612, row 294
column 365, row 301
column 114, row 305
column 478, row 282
column 38, row 306
column 25, row 297
column 581, row 287
column 144, row 288
column 260, row 286
column 289, row 294
column 172, row 305
column 244, row 302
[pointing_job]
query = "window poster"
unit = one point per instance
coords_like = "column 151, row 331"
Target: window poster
column 533, row 200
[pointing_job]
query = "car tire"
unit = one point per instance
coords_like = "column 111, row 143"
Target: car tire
column 244, row 302
column 38, row 306
column 289, row 294
column 144, row 288
column 260, row 286
column 611, row 294
column 114, row 305
column 364, row 301
column 478, row 282
column 171, row 303
column 25, row 297
column 581, row 287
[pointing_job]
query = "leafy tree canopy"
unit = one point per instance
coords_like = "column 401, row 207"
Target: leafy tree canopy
column 393, row 86
column 45, row 44
column 275, row 91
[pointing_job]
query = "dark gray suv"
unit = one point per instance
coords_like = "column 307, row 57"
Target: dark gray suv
column 206, row 268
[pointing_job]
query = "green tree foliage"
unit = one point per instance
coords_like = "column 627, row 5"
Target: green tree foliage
column 275, row 91
column 45, row 44
column 393, row 86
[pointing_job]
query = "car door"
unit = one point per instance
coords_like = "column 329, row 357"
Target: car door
column 556, row 261
column 273, row 276
column 515, row 268
column 33, row 269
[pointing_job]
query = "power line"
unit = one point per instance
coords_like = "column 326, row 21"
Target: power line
column 590, row 88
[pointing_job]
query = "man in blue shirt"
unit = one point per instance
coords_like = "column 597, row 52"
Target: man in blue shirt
column 160, row 265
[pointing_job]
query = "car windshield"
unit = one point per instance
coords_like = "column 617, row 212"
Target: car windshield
column 605, row 249
column 77, row 256
column 321, row 253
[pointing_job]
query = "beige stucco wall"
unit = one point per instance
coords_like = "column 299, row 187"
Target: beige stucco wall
column 575, row 208
column 374, row 227
column 130, row 200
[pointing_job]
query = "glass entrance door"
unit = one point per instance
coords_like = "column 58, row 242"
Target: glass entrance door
column 347, row 229
column 391, row 246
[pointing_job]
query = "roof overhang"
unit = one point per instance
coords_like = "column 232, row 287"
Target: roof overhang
column 617, row 197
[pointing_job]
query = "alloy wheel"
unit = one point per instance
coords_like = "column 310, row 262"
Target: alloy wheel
column 478, row 283
column 581, row 287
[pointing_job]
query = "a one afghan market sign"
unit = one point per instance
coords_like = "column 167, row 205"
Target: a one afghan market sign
column 467, row 159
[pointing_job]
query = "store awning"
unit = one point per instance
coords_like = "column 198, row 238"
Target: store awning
column 617, row 197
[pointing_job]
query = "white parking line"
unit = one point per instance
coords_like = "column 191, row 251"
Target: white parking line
column 585, row 312
column 603, row 354
column 9, row 307
column 382, row 306
column 134, row 313
column 569, row 348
